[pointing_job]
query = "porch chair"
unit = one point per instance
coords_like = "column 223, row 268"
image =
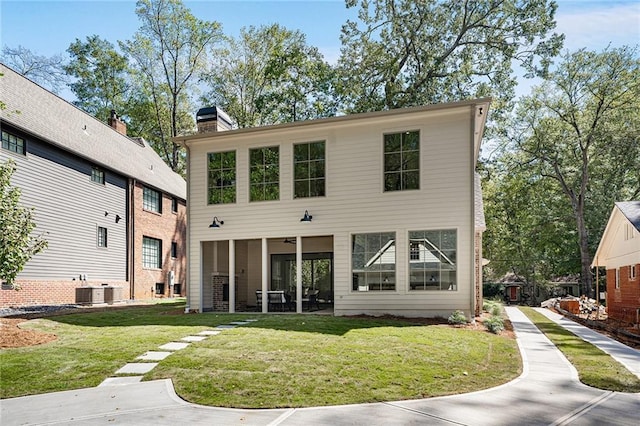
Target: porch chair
column 259, row 300
column 276, row 301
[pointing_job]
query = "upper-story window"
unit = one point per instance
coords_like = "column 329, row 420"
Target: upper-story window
column 402, row 161
column 102, row 236
column 221, row 187
column 309, row 169
column 97, row 175
column 174, row 205
column 151, row 200
column 264, row 174
column 13, row 143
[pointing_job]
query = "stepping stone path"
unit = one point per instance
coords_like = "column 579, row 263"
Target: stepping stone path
column 131, row 371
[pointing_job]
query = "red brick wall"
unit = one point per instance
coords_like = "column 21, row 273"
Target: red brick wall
column 168, row 227
column 33, row 293
column 623, row 302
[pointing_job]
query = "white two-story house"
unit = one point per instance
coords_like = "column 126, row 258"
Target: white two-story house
column 375, row 213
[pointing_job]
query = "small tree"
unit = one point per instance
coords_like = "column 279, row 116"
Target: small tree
column 17, row 245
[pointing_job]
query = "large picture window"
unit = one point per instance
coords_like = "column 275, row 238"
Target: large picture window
column 309, row 169
column 151, row 200
column 221, row 188
column 402, row 161
column 432, row 260
column 264, row 174
column 13, row 143
column 373, row 261
column 151, row 253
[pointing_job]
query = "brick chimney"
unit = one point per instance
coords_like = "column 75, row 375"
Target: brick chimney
column 212, row 119
column 117, row 124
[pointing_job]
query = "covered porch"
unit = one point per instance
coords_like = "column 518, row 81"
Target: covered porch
column 287, row 274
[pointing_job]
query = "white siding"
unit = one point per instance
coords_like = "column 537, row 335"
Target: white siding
column 355, row 202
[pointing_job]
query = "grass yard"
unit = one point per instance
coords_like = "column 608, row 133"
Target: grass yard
column 278, row 361
column 595, row 367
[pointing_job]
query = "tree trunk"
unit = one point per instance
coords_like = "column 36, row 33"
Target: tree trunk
column 585, row 257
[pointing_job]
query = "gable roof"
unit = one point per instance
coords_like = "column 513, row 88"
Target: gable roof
column 41, row 113
column 630, row 210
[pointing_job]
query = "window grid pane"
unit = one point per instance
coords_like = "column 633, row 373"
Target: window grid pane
column 309, row 169
column 373, row 260
column 402, row 161
column 102, row 237
column 264, row 174
column 97, row 175
column 151, row 200
column 151, row 253
column 221, row 187
column 12, row 143
column 432, row 260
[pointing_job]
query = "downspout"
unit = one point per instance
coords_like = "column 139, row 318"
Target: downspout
column 472, row 307
column 187, row 307
column 131, row 238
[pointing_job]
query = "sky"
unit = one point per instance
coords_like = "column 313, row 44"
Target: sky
column 48, row 27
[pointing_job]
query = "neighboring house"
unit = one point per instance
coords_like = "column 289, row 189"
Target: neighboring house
column 111, row 210
column 380, row 213
column 619, row 253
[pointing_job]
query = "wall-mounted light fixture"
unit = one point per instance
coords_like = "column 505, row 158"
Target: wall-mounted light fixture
column 118, row 218
column 216, row 223
column 307, row 217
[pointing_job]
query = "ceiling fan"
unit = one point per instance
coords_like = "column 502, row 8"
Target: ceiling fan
column 289, row 241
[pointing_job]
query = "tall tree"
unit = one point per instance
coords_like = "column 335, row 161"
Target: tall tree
column 406, row 52
column 581, row 131
column 270, row 75
column 102, row 77
column 46, row 71
column 17, row 243
column 169, row 53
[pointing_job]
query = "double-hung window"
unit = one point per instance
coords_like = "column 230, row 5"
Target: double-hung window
column 402, row 161
column 13, row 143
column 151, row 253
column 309, row 169
column 432, row 260
column 151, row 200
column 264, row 174
column 221, row 184
column 632, row 272
column 373, row 261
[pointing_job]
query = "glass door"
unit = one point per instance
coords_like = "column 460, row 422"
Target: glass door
column 317, row 274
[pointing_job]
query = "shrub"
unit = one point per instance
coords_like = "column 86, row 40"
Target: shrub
column 457, row 318
column 494, row 324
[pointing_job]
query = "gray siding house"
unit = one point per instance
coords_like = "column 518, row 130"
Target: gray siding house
column 79, row 175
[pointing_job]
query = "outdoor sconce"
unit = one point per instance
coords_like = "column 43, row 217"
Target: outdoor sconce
column 118, row 218
column 307, row 217
column 216, row 223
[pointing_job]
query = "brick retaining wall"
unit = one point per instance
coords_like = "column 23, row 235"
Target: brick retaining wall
column 34, row 293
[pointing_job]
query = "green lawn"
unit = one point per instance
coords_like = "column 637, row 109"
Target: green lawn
column 278, row 361
column 594, row 366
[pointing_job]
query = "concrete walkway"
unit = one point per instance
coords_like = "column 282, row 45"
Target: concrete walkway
column 547, row 393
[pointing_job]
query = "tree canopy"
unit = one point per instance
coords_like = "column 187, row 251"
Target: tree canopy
column 270, row 75
column 578, row 134
column 403, row 53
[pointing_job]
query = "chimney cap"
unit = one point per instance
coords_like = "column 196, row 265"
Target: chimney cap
column 211, row 114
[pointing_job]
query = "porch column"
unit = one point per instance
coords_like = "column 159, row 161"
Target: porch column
column 299, row 274
column 265, row 279
column 232, row 276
